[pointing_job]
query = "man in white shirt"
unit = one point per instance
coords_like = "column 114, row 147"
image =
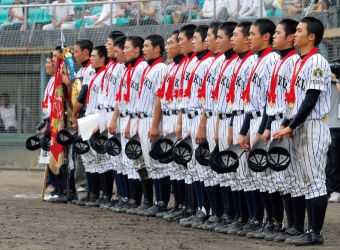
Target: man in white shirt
column 61, row 16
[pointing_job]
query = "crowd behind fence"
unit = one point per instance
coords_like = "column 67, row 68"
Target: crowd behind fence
column 23, row 49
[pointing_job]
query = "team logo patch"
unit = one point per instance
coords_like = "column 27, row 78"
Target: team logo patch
column 318, row 73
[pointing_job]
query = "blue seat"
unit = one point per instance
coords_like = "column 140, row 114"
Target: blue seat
column 7, row 2
column 3, row 15
column 79, row 6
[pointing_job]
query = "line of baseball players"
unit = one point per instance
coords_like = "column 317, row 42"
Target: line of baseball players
column 227, row 83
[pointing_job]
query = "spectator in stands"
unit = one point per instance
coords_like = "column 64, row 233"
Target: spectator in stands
column 321, row 6
column 182, row 12
column 207, row 11
column 252, row 9
column 105, row 18
column 273, row 4
column 150, row 13
column 15, row 18
column 61, row 16
column 8, row 120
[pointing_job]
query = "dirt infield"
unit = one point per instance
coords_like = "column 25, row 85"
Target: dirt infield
column 27, row 223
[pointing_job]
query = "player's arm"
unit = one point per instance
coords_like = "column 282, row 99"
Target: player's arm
column 306, row 107
column 78, row 105
column 243, row 135
column 154, row 130
column 202, row 127
column 178, row 129
column 217, row 128
column 231, row 131
column 262, row 126
column 113, row 123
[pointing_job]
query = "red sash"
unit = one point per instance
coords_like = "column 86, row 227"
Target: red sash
column 146, row 71
column 129, row 80
column 272, row 89
column 245, row 96
column 91, row 84
column 203, row 89
column 231, row 94
column 160, row 92
column 180, row 91
column 214, row 93
column 119, row 93
column 290, row 96
column 187, row 92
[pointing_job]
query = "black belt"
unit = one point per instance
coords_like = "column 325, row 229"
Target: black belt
column 254, row 114
column 223, row 116
column 208, row 114
column 170, row 112
column 276, row 117
column 123, row 114
column 100, row 107
column 133, row 115
column 184, row 111
column 142, row 115
column 192, row 114
column 110, row 109
column 237, row 112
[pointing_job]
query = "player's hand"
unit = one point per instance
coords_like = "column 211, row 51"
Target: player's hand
column 230, row 135
column 243, row 141
column 216, row 137
column 74, row 123
column 256, row 138
column 178, row 131
column 153, row 133
column 112, row 127
column 266, row 136
column 127, row 131
column 285, row 132
column 58, row 24
column 200, row 135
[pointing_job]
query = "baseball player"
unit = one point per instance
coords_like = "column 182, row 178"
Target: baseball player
column 289, row 182
column 206, row 128
column 308, row 104
column 223, row 119
column 94, row 163
column 254, row 99
column 169, row 117
column 81, row 52
column 183, row 123
column 106, row 105
column 150, row 114
column 246, row 60
column 126, row 100
column 193, row 112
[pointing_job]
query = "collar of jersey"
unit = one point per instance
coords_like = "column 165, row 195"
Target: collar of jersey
column 201, row 54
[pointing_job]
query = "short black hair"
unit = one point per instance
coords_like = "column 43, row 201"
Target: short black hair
column 314, row 26
column 85, row 44
column 176, row 33
column 265, row 26
column 228, row 28
column 120, row 41
column 245, row 27
column 102, row 52
column 188, row 30
column 289, row 26
column 136, row 41
column 214, row 26
column 50, row 56
column 202, row 30
column 59, row 49
column 116, row 34
column 156, row 40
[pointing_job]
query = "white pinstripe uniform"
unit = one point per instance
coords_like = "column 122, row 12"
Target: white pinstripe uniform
column 172, row 103
column 195, row 105
column 94, row 162
column 224, row 110
column 129, row 106
column 111, row 82
column 168, row 119
column 82, row 75
column 209, row 106
column 244, row 178
column 289, row 180
column 190, row 172
column 258, row 95
column 153, row 75
column 312, row 138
